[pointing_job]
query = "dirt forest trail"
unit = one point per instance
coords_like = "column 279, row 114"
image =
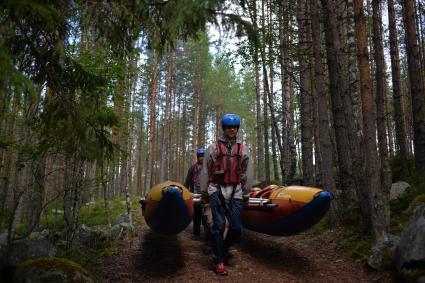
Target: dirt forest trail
column 150, row 257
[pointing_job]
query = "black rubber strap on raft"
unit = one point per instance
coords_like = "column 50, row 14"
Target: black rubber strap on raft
column 223, row 200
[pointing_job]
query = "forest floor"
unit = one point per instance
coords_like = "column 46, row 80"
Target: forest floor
column 149, row 257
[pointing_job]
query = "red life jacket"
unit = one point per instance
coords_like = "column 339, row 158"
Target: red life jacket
column 227, row 165
column 196, row 171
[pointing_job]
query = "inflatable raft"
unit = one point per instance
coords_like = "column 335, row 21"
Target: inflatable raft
column 168, row 208
column 285, row 211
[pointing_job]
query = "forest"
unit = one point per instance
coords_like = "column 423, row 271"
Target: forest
column 102, row 100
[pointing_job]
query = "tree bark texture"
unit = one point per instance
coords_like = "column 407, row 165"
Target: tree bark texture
column 377, row 217
column 416, row 85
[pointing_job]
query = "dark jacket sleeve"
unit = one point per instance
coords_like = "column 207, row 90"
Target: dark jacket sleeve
column 188, row 181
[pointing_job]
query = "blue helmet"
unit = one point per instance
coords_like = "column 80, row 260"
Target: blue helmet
column 200, row 152
column 230, row 120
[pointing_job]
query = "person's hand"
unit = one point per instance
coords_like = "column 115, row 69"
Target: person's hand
column 204, row 199
column 245, row 200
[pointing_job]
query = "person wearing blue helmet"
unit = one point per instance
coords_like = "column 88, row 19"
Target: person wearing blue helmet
column 192, row 183
column 225, row 181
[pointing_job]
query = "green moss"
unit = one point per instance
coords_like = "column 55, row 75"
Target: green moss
column 361, row 250
column 62, row 264
column 88, row 257
column 89, row 215
column 397, row 168
column 419, row 199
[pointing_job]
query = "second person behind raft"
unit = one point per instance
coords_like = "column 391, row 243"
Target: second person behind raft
column 225, row 180
column 201, row 210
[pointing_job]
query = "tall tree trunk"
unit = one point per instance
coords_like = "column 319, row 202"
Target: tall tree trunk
column 184, row 140
column 35, row 205
column 290, row 130
column 352, row 65
column 306, row 110
column 73, row 181
column 260, row 147
column 104, row 180
column 196, row 99
column 152, row 119
column 174, row 133
column 323, row 123
column 380, row 76
column 265, row 111
column 271, row 96
column 398, row 97
column 416, row 85
column 259, row 134
column 171, row 129
column 10, row 130
column 419, row 34
column 337, row 90
column 389, row 121
column 123, row 141
column 167, row 121
column 377, row 211
column 284, row 89
column 353, row 111
column 5, row 98
column 421, row 14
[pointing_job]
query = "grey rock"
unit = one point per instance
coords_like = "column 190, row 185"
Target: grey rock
column 51, row 270
column 43, row 235
column 383, row 251
column 24, row 250
column 412, row 207
column 3, row 238
column 121, row 231
column 91, row 235
column 122, row 218
column 398, row 189
column 411, row 250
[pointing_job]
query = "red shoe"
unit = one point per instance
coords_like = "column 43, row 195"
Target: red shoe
column 226, row 258
column 220, row 269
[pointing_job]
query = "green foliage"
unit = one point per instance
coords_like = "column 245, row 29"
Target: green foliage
column 419, row 199
column 356, row 242
column 49, row 221
column 397, row 169
column 166, row 22
column 90, row 215
column 361, row 249
column 95, row 215
column 5, row 144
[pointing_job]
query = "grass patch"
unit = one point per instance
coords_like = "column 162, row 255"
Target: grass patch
column 90, row 215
